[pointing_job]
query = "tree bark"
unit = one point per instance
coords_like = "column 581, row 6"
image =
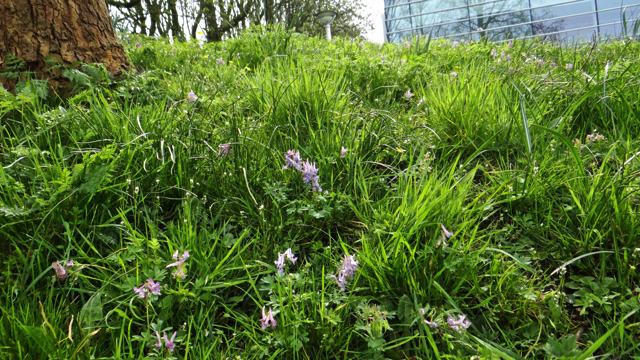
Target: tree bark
column 66, row 30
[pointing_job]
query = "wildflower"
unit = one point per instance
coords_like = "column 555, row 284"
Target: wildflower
column 421, row 101
column 509, row 58
column 431, row 323
column 552, row 65
column 379, row 47
column 407, row 44
column 224, row 149
column 310, row 175
column 408, row 94
column 445, row 235
column 510, row 44
column 383, row 58
column 179, row 264
column 421, row 311
column 494, row 53
column 61, row 271
column 342, row 282
column 349, row 266
column 293, row 160
column 343, row 152
column 267, row 318
column 503, row 54
column 290, row 256
column 569, row 66
column 192, row 96
column 141, row 291
column 173, row 51
column 280, row 263
column 360, row 45
column 205, row 57
column 220, row 61
column 454, row 45
column 159, row 344
column 154, row 287
column 459, row 324
column 453, row 73
column 169, row 343
column 138, row 44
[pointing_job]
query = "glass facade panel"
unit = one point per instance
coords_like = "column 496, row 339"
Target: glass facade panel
column 507, row 19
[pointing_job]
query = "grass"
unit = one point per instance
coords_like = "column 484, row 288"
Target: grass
column 532, row 167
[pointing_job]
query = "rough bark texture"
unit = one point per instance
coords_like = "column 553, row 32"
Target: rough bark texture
column 65, row 30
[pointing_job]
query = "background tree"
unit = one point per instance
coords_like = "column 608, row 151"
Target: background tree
column 34, row 30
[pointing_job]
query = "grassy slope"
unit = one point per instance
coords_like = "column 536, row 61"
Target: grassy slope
column 121, row 176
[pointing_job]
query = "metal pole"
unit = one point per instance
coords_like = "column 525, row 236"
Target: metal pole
column 328, row 31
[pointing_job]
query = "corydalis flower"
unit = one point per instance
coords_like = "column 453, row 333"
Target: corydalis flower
column 292, row 160
column 347, row 270
column 192, row 97
column 61, row 271
column 220, row 61
column 180, row 271
column 494, row 53
column 407, row 44
column 267, row 318
column 224, row 149
column 169, row 343
column 408, row 94
column 383, row 57
column 281, row 258
column 360, row 45
column 341, row 280
column 460, row 324
column 445, row 235
column 453, row 73
column 431, row 323
column 310, row 175
column 149, row 287
column 343, row 152
column 569, row 66
column 138, row 44
column 158, row 345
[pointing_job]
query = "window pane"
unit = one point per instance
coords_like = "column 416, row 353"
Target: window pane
column 510, row 32
column 563, row 10
column 608, row 4
column 496, row 21
column 448, row 29
column 441, row 17
column 394, row 2
column 435, row 5
column 573, row 22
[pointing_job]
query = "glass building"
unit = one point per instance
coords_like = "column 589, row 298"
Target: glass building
column 505, row 19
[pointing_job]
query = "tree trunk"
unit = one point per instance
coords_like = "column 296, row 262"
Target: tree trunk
column 65, row 30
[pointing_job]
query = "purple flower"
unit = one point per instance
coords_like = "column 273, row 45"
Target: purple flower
column 460, row 324
column 290, row 256
column 431, row 323
column 138, row 44
column 509, row 58
column 224, row 149
column 360, row 45
column 281, row 258
column 569, row 66
column 173, row 51
column 267, row 318
column 552, row 64
column 220, row 61
column 61, row 271
column 510, row 44
column 159, row 344
column 445, row 235
column 421, row 311
column 343, row 152
column 407, row 44
column 180, row 271
column 341, row 280
column 454, row 45
column 310, row 175
column 280, row 263
column 408, row 94
column 383, row 57
column 192, row 96
column 453, row 73
column 349, row 266
column 154, row 287
column 292, row 160
column 494, row 53
column 142, row 291
column 169, row 343
column 503, row 54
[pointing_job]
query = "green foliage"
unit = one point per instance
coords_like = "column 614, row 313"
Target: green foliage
column 531, row 169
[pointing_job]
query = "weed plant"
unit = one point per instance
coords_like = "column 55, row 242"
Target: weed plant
column 295, row 198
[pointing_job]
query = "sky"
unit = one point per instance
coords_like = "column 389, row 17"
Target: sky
column 375, row 8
